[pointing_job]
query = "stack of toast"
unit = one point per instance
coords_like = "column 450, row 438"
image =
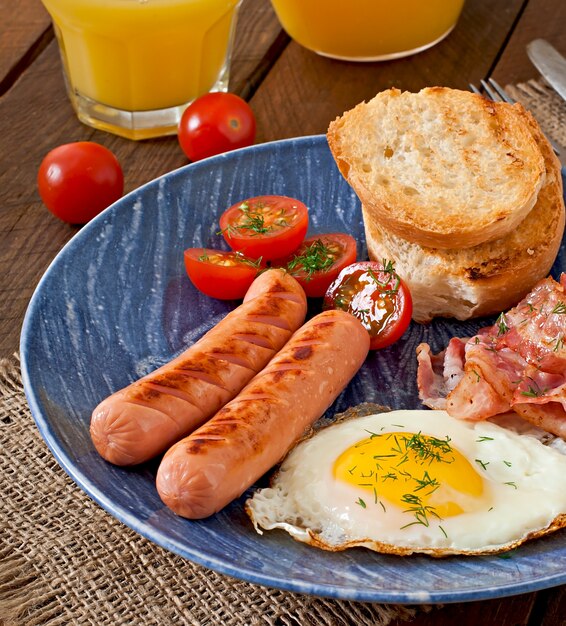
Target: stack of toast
column 463, row 194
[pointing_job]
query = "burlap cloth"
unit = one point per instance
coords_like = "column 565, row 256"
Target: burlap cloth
column 546, row 105
column 64, row 560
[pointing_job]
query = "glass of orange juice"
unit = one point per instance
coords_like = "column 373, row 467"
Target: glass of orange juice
column 367, row 30
column 132, row 66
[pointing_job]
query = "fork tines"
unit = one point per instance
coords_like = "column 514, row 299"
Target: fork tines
column 494, row 91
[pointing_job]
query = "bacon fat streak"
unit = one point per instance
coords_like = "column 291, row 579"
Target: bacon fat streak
column 518, row 364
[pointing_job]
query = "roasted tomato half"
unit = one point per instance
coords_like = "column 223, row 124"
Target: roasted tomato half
column 319, row 260
column 375, row 294
column 221, row 274
column 270, row 227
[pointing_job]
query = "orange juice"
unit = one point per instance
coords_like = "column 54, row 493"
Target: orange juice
column 142, row 56
column 367, row 30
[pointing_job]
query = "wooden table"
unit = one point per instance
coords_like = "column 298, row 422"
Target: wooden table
column 292, row 92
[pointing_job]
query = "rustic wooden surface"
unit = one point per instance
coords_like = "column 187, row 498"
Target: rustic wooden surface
column 293, row 92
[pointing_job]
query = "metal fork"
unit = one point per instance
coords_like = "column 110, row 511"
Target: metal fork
column 496, row 93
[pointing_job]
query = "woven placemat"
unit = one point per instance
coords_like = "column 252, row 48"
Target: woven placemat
column 64, row 560
column 545, row 104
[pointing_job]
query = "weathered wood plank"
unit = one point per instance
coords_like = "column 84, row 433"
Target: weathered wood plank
column 514, row 65
column 304, row 91
column 36, row 116
column 513, row 611
column 24, row 33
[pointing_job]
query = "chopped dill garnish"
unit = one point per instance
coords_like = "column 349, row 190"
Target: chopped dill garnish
column 427, row 481
column 390, row 476
column 253, row 221
column 419, row 510
column 559, row 308
column 531, row 393
column 251, row 262
column 372, row 434
column 502, row 324
column 482, row 464
column 429, row 448
column 511, row 484
column 316, row 257
column 385, row 287
column 484, row 439
column 506, row 555
column 361, row 503
column 507, row 463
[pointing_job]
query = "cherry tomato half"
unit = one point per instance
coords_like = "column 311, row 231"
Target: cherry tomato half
column 270, row 227
column 214, row 123
column 319, row 260
column 220, row 274
column 375, row 294
column 78, row 180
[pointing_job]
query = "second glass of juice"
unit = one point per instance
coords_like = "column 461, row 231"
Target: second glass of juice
column 367, row 30
column 132, row 66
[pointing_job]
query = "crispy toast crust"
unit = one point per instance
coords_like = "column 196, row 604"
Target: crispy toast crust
column 487, row 278
column 441, row 168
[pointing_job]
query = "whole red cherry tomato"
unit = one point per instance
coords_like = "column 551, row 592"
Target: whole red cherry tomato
column 374, row 293
column 269, row 227
column 214, row 123
column 319, row 260
column 220, row 274
column 78, row 180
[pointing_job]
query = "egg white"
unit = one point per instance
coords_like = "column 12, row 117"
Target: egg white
column 524, row 491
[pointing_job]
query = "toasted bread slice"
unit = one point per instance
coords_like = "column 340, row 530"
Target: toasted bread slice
column 487, row 278
column 442, row 168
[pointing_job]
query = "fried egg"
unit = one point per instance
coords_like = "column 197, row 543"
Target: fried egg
column 415, row 481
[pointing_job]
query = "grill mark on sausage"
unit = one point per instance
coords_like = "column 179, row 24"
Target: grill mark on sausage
column 323, row 324
column 231, row 358
column 288, row 295
column 204, row 376
column 284, row 366
column 147, row 393
column 255, row 339
column 254, row 396
column 270, row 320
column 302, row 352
column 277, row 375
column 300, row 341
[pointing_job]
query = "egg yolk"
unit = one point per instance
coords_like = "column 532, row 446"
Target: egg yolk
column 421, row 474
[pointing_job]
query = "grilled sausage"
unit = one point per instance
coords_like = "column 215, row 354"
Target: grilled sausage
column 205, row 471
column 145, row 418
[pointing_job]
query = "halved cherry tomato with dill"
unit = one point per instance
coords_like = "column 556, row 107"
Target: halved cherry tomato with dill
column 270, row 227
column 373, row 292
column 221, row 274
column 319, row 260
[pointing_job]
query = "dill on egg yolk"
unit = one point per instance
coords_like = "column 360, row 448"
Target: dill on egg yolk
column 404, row 468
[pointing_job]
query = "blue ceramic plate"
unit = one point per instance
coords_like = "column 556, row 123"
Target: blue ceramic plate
column 116, row 303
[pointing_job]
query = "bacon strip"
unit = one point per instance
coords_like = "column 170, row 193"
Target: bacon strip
column 517, row 364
